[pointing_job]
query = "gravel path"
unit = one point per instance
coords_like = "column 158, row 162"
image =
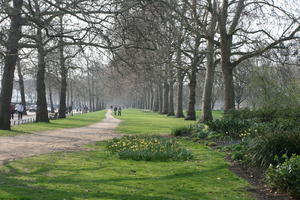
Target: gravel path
column 16, row 147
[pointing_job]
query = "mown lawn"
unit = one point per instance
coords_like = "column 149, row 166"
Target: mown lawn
column 140, row 122
column 96, row 174
column 70, row 122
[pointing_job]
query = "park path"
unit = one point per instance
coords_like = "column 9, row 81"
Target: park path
column 17, row 147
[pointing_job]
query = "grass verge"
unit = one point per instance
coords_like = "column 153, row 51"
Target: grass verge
column 96, row 174
column 140, row 122
column 70, row 122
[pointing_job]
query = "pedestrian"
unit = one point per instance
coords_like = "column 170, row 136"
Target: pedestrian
column 12, row 110
column 115, row 110
column 20, row 109
column 119, row 111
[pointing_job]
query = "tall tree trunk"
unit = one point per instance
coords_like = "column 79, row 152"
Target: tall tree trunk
column 21, row 86
column 191, row 113
column 229, row 103
column 12, row 48
column 171, row 99
column 156, row 100
column 166, row 98
column 180, row 77
column 160, row 89
column 63, row 81
column 51, row 98
column 208, row 85
column 41, row 112
column 210, row 71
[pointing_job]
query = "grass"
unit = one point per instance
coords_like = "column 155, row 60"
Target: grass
column 70, row 122
column 141, row 122
column 96, row 174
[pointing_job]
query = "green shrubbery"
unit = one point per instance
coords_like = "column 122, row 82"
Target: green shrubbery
column 198, row 131
column 262, row 137
column 230, row 127
column 182, row 131
column 148, row 148
column 264, row 148
column 286, row 176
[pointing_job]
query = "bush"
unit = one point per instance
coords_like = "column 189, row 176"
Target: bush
column 148, row 148
column 265, row 147
column 201, row 131
column 182, row 131
column 286, row 176
column 267, row 114
column 230, row 127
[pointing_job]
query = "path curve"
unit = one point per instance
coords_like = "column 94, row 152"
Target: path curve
column 17, row 147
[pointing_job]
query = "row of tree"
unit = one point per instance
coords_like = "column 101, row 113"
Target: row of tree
column 167, row 43
column 151, row 47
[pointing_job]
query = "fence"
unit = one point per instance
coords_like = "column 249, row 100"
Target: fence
column 23, row 121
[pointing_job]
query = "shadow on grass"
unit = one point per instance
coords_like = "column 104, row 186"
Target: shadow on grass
column 20, row 188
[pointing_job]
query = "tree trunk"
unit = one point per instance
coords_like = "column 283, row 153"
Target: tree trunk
column 11, row 57
column 171, row 99
column 180, row 77
column 228, row 89
column 191, row 113
column 160, row 90
column 41, row 112
column 63, row 82
column 166, row 98
column 156, row 100
column 227, row 70
column 21, row 85
column 208, row 85
column 51, row 98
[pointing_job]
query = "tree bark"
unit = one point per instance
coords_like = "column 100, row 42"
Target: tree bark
column 191, row 113
column 180, row 77
column 63, row 81
column 160, row 91
column 208, row 85
column 51, row 98
column 171, row 99
column 12, row 48
column 156, row 100
column 21, row 86
column 41, row 112
column 229, row 102
column 166, row 98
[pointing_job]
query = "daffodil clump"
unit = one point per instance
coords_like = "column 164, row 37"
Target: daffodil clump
column 148, row 148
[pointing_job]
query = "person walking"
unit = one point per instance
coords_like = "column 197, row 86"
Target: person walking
column 115, row 110
column 12, row 110
column 119, row 111
column 20, row 110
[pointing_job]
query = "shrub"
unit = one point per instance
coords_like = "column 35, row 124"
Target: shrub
column 265, row 147
column 266, row 114
column 182, row 131
column 201, row 131
column 148, row 148
column 230, row 127
column 286, row 176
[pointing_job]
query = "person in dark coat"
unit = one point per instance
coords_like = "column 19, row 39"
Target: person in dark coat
column 119, row 111
column 115, row 110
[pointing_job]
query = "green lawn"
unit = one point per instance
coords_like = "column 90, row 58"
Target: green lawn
column 96, row 174
column 70, row 122
column 141, row 122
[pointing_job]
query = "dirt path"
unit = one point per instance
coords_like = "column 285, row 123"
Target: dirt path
column 12, row 148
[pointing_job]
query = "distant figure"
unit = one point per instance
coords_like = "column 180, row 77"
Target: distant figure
column 20, row 109
column 12, row 110
column 115, row 110
column 119, row 111
column 111, row 107
column 70, row 110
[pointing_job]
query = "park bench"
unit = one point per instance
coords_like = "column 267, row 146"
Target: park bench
column 53, row 116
